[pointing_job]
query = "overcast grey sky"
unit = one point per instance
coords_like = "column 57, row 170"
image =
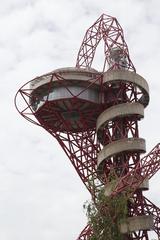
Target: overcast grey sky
column 41, row 196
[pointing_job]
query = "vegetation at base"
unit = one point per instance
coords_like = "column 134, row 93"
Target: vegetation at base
column 105, row 216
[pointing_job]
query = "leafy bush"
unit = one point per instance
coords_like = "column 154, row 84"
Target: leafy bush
column 105, row 216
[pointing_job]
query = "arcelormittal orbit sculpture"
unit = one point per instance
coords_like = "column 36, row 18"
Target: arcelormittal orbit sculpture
column 94, row 116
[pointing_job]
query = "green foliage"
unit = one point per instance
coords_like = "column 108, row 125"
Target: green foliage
column 105, row 216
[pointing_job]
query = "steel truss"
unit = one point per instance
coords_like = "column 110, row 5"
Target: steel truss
column 85, row 143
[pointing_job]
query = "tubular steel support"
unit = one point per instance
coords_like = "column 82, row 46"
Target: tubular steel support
column 148, row 166
column 152, row 209
column 94, row 116
column 86, row 233
column 82, row 156
column 108, row 29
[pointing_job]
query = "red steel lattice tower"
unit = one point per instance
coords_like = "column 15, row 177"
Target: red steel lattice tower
column 94, row 116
